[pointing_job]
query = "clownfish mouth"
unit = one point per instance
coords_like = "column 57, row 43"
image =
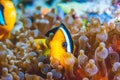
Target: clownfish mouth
column 67, row 42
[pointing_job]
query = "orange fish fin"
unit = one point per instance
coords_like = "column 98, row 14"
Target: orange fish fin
column 2, row 31
column 4, row 34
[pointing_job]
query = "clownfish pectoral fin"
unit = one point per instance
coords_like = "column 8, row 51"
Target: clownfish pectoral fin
column 51, row 31
column 2, row 21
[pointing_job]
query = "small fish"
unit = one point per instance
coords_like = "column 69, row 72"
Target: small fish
column 49, row 2
column 61, row 42
column 44, row 11
column 7, row 18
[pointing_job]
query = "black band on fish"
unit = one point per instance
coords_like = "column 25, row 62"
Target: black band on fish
column 2, row 21
column 67, row 37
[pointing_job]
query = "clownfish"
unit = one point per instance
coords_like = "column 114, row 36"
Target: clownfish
column 7, row 18
column 61, row 42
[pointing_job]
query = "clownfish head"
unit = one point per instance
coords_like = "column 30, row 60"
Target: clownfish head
column 61, row 42
column 7, row 14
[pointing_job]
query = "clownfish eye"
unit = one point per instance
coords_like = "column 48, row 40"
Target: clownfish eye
column 64, row 44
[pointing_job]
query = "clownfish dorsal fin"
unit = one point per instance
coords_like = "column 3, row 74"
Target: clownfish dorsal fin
column 51, row 31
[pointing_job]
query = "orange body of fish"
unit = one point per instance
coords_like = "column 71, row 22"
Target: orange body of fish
column 8, row 13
